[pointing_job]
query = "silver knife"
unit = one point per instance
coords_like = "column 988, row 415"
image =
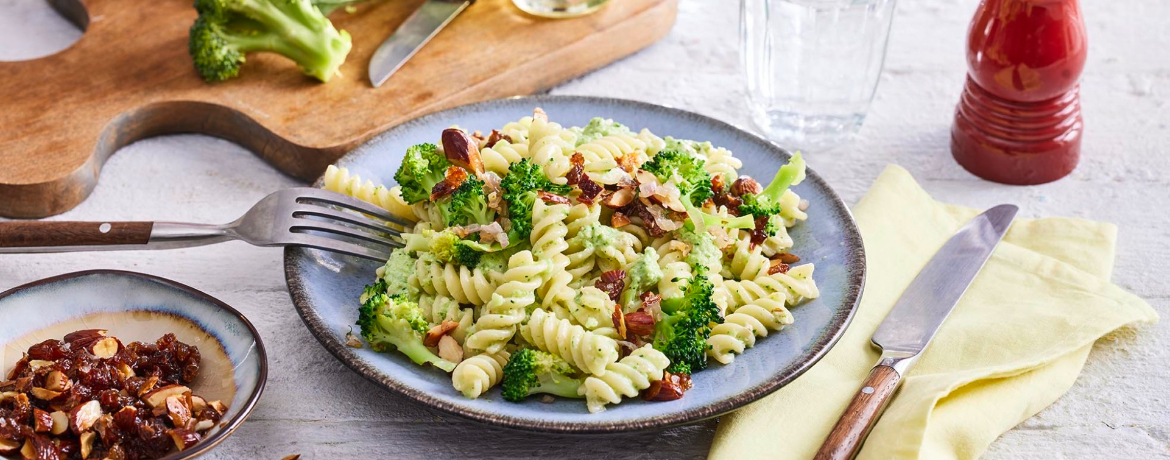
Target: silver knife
column 418, row 29
column 913, row 321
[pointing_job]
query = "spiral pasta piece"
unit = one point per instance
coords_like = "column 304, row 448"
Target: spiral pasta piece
column 601, row 154
column 548, row 229
column 747, row 262
column 740, row 329
column 721, row 162
column 500, row 156
column 476, row 375
column 653, row 143
column 624, row 378
column 796, row 285
column 338, row 179
column 438, row 309
column 517, row 130
column 580, row 216
column 465, row 285
column 585, row 350
column 550, row 146
column 504, row 312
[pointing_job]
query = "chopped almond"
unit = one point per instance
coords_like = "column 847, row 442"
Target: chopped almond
column 639, row 323
column 461, row 150
column 106, row 348
column 57, row 381
column 777, row 267
column 619, row 220
column 82, row 417
column 450, row 350
column 87, row 443
column 45, row 395
column 612, row 283
column 496, row 137
column 178, row 411
column 787, row 258
column 60, row 422
column 9, row 446
column 158, row 397
column 183, row 438
column 42, row 421
column 619, row 321
column 619, row 198
column 438, row 332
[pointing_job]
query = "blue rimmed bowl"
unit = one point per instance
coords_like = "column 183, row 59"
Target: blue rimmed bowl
column 325, row 287
column 138, row 307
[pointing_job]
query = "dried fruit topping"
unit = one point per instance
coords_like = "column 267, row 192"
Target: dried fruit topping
column 787, row 258
column 745, row 185
column 671, row 387
column 461, row 150
column 85, row 338
column 158, row 397
column 619, row 320
column 495, row 138
column 82, row 417
column 589, row 190
column 576, row 169
column 451, row 181
column 612, row 283
column 42, row 421
column 178, row 411
column 758, row 234
column 640, row 323
column 551, row 198
column 183, row 438
column 49, row 350
column 619, row 220
column 777, row 267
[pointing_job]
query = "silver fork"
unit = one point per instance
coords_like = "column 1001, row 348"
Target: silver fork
column 301, row 216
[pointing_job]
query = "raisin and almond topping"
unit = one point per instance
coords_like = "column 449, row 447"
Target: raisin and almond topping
column 461, row 150
column 438, row 332
column 639, row 323
column 589, row 190
column 551, row 198
column 619, row 321
column 576, row 169
column 787, row 258
column 758, row 235
column 89, row 396
column 671, row 387
column 494, row 138
column 612, row 283
column 619, row 220
column 745, row 185
column 453, row 178
column 777, row 267
column 619, row 198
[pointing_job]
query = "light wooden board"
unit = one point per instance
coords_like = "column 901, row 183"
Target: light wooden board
column 129, row 77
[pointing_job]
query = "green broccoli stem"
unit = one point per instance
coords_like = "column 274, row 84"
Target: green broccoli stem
column 297, row 32
column 790, row 174
column 559, row 386
column 408, row 342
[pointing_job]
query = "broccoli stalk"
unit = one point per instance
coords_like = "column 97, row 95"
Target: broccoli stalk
column 682, row 332
column 329, row 6
column 227, row 30
column 530, row 371
column 467, row 205
column 767, row 203
column 422, row 168
column 694, row 185
column 394, row 321
column 520, row 185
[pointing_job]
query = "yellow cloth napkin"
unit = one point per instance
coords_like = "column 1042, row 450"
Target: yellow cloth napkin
column 1013, row 345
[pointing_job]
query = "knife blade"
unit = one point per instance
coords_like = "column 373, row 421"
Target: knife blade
column 912, row 323
column 412, row 35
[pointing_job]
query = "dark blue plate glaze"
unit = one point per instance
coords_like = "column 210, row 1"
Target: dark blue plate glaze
column 325, row 287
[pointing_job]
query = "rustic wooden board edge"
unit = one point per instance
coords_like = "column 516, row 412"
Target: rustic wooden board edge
column 48, row 198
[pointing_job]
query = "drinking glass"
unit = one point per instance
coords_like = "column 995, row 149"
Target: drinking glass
column 812, row 66
column 559, row 8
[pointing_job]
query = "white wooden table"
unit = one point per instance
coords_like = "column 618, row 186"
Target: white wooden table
column 314, row 406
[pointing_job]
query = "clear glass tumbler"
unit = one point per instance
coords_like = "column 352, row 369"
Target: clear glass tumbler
column 559, row 8
column 812, row 66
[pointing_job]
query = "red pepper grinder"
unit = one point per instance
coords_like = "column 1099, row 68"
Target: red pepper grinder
column 1019, row 120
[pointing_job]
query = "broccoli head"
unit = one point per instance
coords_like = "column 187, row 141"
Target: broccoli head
column 687, row 171
column 767, row 203
column 467, row 205
column 422, row 168
column 394, row 321
column 530, row 371
column 520, row 185
column 227, row 30
column 682, row 332
column 447, row 246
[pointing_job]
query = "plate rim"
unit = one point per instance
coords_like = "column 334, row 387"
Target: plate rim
column 210, row 443
column 818, row 350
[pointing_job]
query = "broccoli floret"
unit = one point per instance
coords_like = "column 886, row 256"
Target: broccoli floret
column 520, row 185
column 530, row 371
column 686, row 324
column 422, row 168
column 446, row 246
column 467, row 205
column 687, row 171
column 394, row 321
column 396, row 273
column 227, row 30
column 767, row 203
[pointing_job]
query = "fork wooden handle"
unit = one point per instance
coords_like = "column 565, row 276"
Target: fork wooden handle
column 867, row 405
column 26, row 234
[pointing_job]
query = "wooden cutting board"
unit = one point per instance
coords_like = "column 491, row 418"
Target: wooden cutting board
column 129, row 77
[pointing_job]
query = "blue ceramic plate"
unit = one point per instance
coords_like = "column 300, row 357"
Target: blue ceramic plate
column 325, row 287
column 136, row 307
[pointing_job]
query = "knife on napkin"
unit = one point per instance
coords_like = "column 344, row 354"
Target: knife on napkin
column 913, row 321
column 418, row 29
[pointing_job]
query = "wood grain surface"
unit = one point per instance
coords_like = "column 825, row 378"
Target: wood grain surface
column 17, row 234
column 847, row 436
column 129, row 77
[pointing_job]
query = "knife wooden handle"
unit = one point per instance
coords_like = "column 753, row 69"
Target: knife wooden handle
column 862, row 414
column 29, row 234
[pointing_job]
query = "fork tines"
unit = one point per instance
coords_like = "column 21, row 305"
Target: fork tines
column 316, row 212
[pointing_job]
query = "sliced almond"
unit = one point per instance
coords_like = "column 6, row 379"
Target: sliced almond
column 619, row 198
column 60, row 422
column 217, row 406
column 87, row 443
column 37, row 364
column 438, row 331
column 106, row 348
column 148, row 386
column 42, row 421
column 183, row 438
column 198, row 404
column 82, row 417
column 787, row 258
column 45, row 395
column 450, row 350
column 126, row 418
column 28, row 452
column 203, row 425
column 57, row 381
column 158, row 397
column 9, row 446
column 178, row 411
